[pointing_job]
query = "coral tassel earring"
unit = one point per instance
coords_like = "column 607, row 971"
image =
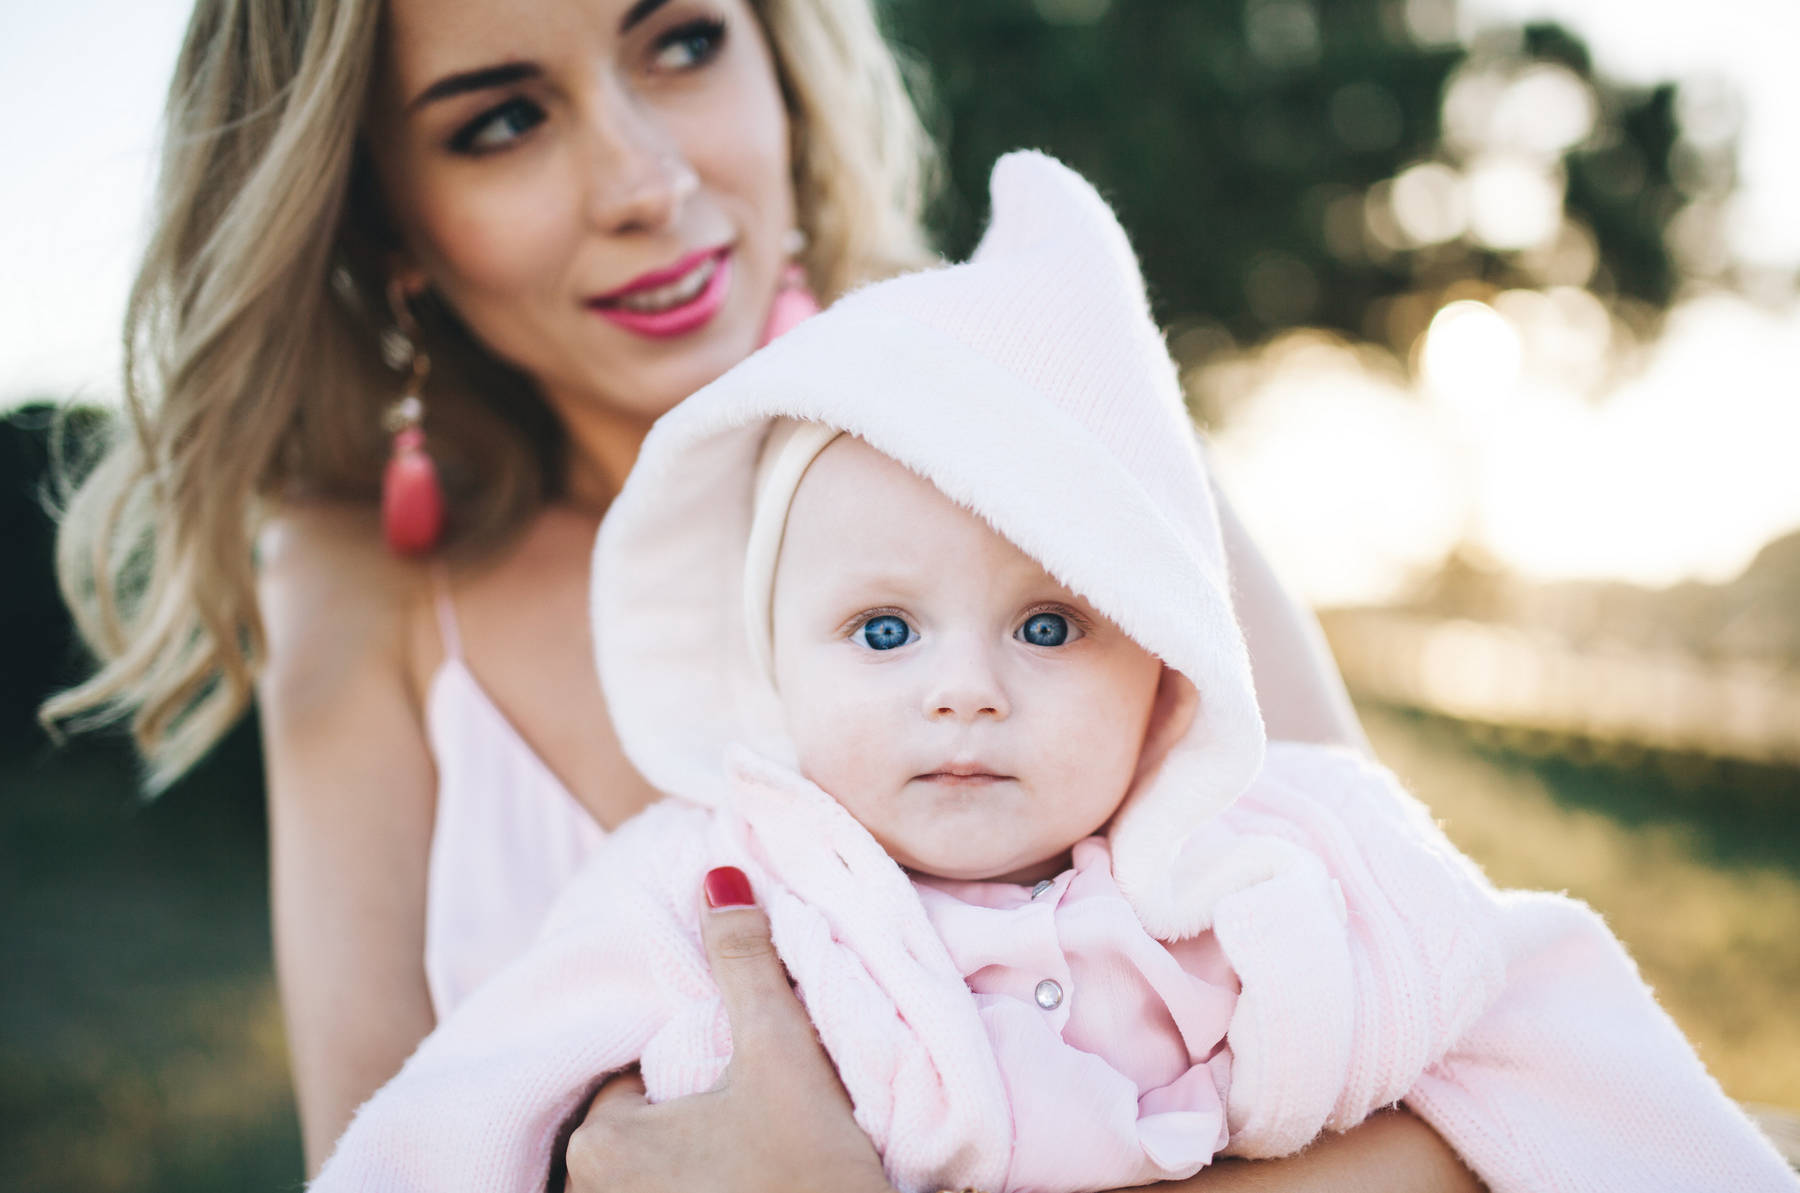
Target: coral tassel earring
column 793, row 304
column 412, row 500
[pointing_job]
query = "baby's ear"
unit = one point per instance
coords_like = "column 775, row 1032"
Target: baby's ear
column 1171, row 716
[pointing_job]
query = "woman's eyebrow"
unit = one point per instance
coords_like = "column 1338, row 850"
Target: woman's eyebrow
column 638, row 13
column 476, row 80
column 499, row 76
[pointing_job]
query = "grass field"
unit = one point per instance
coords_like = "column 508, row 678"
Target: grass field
column 140, row 1037
column 1701, row 883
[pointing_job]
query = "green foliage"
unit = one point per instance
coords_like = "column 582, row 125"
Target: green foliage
column 1623, row 185
column 1241, row 143
column 38, row 649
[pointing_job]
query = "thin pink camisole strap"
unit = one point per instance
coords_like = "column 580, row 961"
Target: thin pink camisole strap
column 507, row 836
column 446, row 612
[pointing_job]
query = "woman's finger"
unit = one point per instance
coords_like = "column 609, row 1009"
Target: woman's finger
column 584, row 1145
column 627, row 1086
column 765, row 1014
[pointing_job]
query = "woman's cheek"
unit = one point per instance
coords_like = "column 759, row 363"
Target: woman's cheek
column 746, row 158
column 759, row 162
column 757, row 134
column 508, row 237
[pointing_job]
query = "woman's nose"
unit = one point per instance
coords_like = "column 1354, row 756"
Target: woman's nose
column 640, row 178
column 967, row 688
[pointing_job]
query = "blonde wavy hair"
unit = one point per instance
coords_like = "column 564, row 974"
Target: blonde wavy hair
column 252, row 339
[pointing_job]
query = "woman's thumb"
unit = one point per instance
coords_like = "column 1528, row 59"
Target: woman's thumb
column 759, row 1001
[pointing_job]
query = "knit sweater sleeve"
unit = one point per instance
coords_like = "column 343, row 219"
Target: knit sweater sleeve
column 1364, row 952
column 1576, row 1079
column 1514, row 1022
column 616, row 976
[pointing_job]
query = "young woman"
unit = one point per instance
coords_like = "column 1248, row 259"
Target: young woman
column 558, row 217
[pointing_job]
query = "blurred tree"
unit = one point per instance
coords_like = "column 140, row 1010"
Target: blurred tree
column 36, row 639
column 1287, row 162
column 44, row 446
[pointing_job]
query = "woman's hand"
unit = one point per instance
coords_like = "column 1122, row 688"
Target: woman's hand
column 779, row 1122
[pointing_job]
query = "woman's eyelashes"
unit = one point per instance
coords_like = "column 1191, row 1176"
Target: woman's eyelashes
column 497, row 127
column 688, row 45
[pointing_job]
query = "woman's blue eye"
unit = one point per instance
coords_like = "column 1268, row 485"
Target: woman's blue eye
column 498, row 127
column 885, row 632
column 689, row 45
column 1045, row 629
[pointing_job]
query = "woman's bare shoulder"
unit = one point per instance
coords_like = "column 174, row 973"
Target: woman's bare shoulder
column 335, row 602
column 327, row 543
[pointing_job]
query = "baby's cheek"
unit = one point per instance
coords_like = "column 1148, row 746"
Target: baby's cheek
column 1098, row 753
column 845, row 746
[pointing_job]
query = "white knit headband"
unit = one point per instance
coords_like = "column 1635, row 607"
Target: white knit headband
column 787, row 453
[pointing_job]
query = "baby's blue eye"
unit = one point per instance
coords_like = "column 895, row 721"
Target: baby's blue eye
column 886, row 632
column 1045, row 629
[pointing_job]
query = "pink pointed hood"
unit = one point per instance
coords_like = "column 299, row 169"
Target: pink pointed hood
column 1030, row 385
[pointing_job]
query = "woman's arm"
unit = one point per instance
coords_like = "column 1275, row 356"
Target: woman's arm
column 350, row 788
column 1392, row 1152
column 1297, row 682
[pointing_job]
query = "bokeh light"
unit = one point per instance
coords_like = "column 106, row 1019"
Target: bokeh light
column 1515, row 201
column 1471, row 356
column 1430, row 203
column 1340, row 474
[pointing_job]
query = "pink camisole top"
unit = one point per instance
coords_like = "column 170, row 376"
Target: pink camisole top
column 507, row 838
column 508, row 835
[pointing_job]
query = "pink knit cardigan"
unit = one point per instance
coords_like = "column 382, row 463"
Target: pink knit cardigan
column 1376, row 965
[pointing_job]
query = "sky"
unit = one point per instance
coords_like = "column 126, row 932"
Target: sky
column 76, row 185
column 1751, row 44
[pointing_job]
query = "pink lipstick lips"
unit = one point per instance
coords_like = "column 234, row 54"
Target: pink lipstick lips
column 672, row 301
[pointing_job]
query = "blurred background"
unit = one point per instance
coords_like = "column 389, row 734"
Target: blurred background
column 1489, row 309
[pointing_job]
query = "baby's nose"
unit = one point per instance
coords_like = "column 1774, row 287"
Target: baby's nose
column 968, row 690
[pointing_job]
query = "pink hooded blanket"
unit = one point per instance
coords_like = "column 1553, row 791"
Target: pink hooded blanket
column 1372, row 962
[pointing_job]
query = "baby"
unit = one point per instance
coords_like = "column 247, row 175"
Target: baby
column 981, row 721
column 920, row 617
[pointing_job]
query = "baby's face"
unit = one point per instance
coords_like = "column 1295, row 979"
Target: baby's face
column 973, row 714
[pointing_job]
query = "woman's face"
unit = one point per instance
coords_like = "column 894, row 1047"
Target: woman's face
column 599, row 188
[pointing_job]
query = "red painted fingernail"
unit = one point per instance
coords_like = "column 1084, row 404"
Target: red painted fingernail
column 727, row 887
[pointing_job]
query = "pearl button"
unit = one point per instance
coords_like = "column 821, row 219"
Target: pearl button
column 1043, row 885
column 1048, row 994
